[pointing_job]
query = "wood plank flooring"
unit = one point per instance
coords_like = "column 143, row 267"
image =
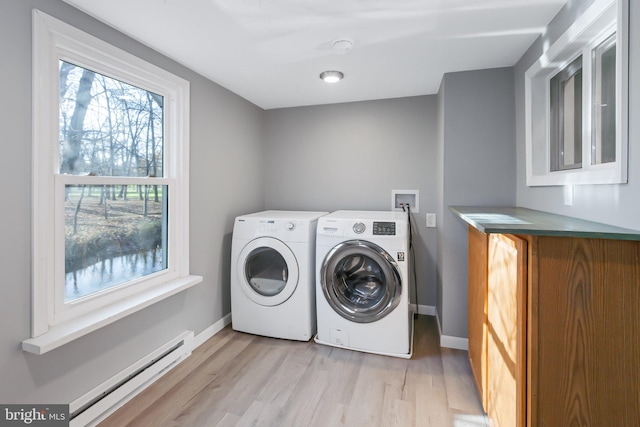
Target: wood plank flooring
column 237, row 379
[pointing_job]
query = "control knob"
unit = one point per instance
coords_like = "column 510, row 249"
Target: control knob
column 359, row 228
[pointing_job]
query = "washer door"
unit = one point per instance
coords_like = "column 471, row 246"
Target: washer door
column 268, row 271
column 361, row 281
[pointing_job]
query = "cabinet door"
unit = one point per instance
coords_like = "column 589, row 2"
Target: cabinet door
column 585, row 340
column 507, row 277
column 477, row 294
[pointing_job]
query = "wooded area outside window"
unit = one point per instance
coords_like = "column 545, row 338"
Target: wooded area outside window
column 110, row 183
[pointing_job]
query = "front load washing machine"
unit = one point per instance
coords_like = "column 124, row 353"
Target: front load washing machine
column 273, row 274
column 362, row 290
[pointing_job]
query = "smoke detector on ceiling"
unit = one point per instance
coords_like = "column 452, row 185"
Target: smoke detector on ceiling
column 342, row 46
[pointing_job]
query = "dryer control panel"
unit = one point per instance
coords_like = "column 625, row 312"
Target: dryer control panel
column 287, row 230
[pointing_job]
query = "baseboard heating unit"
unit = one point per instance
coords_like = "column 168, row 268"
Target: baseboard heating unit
column 105, row 399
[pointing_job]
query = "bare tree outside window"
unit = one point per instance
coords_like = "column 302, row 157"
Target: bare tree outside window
column 114, row 233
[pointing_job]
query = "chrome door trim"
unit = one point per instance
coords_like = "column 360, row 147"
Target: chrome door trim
column 331, row 284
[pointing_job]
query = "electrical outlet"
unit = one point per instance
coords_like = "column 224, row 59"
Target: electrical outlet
column 405, row 198
column 431, row 220
column 568, row 195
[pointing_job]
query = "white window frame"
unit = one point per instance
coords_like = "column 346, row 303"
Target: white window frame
column 596, row 24
column 55, row 322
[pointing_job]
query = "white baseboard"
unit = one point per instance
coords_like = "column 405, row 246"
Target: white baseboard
column 454, row 342
column 449, row 341
column 211, row 331
column 427, row 310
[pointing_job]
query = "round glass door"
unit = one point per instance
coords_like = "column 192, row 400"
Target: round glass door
column 361, row 281
column 268, row 271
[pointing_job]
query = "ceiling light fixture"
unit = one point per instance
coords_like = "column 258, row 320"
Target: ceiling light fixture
column 331, row 76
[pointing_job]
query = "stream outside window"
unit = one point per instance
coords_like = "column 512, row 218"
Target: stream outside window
column 114, row 233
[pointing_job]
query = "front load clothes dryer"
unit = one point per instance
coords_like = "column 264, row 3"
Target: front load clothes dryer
column 273, row 274
column 362, row 291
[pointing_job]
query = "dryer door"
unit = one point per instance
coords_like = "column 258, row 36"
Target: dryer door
column 361, row 281
column 268, row 271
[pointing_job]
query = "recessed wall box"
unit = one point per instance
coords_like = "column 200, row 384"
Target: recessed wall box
column 404, row 198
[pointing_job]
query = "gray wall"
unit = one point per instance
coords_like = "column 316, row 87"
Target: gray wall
column 350, row 156
column 226, row 180
column 478, row 168
column 612, row 204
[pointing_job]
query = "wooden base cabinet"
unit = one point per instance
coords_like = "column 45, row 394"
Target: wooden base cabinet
column 554, row 329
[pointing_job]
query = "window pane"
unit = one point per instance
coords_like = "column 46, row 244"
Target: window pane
column 108, row 127
column 603, row 144
column 114, row 234
column 571, row 146
column 566, row 117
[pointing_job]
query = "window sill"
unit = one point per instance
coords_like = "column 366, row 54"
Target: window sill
column 608, row 173
column 64, row 333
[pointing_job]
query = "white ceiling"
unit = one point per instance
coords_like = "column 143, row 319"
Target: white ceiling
column 271, row 52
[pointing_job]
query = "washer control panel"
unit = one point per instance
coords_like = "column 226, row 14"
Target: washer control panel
column 384, row 228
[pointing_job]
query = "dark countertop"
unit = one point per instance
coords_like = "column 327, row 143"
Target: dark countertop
column 514, row 220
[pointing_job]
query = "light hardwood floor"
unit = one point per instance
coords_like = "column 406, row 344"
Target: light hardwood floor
column 236, row 379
